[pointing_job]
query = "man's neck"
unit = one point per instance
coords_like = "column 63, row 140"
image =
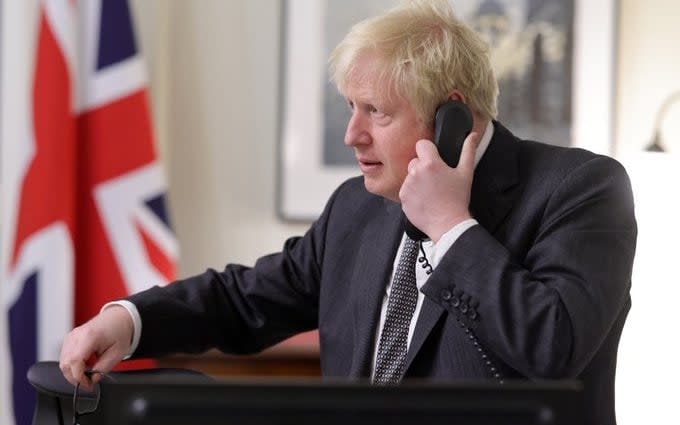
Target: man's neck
column 479, row 127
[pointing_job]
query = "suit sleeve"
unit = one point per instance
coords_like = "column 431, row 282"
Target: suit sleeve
column 546, row 314
column 240, row 309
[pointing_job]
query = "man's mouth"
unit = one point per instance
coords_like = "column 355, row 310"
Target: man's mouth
column 368, row 165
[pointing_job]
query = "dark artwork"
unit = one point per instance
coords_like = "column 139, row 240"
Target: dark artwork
column 531, row 51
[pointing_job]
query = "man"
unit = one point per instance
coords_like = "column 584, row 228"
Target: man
column 525, row 272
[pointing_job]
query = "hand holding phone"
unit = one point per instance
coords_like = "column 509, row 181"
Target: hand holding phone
column 452, row 124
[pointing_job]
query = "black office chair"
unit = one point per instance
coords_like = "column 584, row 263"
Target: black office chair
column 55, row 398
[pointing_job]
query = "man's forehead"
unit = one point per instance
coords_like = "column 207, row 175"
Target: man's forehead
column 360, row 93
column 383, row 99
column 369, row 89
column 368, row 81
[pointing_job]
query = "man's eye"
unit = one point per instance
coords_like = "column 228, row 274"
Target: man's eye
column 375, row 111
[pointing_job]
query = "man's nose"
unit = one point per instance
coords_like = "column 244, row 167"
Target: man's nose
column 356, row 133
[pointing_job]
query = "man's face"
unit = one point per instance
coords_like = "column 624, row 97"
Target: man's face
column 383, row 130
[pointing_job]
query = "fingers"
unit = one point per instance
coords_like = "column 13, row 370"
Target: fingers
column 426, row 150
column 80, row 346
column 427, row 154
column 73, row 372
column 107, row 335
column 73, row 358
column 467, row 156
column 411, row 169
column 107, row 360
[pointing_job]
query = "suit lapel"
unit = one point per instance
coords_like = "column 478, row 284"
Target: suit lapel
column 429, row 315
column 373, row 268
column 494, row 190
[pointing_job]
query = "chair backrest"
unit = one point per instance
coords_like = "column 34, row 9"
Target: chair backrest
column 54, row 401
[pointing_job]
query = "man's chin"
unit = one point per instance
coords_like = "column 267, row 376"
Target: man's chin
column 376, row 188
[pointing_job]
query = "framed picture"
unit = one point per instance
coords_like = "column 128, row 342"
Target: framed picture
column 554, row 61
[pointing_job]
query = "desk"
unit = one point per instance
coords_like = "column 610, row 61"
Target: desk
column 298, row 356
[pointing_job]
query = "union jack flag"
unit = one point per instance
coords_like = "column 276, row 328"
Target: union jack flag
column 83, row 208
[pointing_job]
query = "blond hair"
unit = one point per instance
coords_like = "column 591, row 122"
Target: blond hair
column 425, row 53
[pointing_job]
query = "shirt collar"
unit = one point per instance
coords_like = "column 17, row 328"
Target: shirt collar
column 484, row 143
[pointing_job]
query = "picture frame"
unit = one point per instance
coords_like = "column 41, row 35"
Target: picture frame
column 306, row 177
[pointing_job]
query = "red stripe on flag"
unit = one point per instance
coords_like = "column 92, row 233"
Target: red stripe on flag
column 99, row 278
column 48, row 189
column 158, row 259
column 116, row 138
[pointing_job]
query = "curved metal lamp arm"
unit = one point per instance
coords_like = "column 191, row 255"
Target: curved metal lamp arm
column 656, row 145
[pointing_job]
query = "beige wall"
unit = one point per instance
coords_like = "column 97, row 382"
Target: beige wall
column 215, row 72
column 649, row 71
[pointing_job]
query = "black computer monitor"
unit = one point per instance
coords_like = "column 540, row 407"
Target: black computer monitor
column 159, row 400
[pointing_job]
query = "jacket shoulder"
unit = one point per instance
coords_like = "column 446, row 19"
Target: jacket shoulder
column 549, row 162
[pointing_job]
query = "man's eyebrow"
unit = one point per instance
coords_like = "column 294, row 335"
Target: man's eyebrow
column 365, row 100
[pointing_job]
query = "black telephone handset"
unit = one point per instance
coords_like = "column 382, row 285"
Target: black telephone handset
column 452, row 124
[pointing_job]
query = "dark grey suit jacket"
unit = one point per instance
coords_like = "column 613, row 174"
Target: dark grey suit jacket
column 540, row 289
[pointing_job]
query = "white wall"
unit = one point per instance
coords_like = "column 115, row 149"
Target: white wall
column 649, row 71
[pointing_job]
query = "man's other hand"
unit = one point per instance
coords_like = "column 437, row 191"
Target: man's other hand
column 107, row 335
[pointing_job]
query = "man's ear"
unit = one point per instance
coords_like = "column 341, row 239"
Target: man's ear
column 457, row 95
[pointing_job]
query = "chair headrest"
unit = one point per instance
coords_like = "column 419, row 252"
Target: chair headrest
column 47, row 378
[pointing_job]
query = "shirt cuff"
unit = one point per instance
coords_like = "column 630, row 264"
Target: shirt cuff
column 449, row 238
column 136, row 323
